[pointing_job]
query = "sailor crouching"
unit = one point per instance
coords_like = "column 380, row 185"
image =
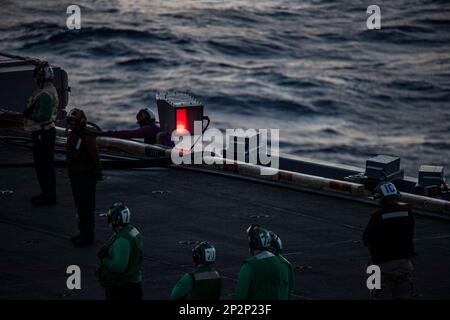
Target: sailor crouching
column 148, row 129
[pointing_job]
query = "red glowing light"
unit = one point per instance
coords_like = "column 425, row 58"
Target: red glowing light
column 181, row 121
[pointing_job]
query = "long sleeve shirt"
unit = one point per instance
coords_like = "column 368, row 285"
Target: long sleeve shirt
column 204, row 283
column 243, row 284
column 183, row 288
column 148, row 133
column 259, row 278
column 82, row 155
column 389, row 233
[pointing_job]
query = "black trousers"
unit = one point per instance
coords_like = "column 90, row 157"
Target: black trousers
column 129, row 291
column 83, row 191
column 43, row 155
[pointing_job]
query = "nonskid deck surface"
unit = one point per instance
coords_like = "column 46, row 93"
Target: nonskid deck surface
column 173, row 208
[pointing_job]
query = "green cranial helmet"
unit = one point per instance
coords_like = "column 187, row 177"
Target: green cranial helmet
column 386, row 191
column 258, row 238
column 118, row 214
column 276, row 244
column 204, row 253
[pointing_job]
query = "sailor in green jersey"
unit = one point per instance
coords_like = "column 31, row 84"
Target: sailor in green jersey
column 287, row 272
column 259, row 276
column 38, row 118
column 120, row 270
column 203, row 284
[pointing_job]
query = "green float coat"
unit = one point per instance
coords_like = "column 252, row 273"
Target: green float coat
column 124, row 261
column 204, row 284
column 259, row 278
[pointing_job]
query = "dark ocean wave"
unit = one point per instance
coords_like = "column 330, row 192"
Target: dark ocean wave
column 101, row 80
column 414, row 85
column 248, row 105
column 439, row 23
column 420, row 98
column 330, row 131
column 410, row 29
column 233, row 16
column 42, row 26
column 401, row 35
column 298, row 83
column 252, row 48
column 103, row 33
column 140, row 61
column 437, row 145
column 113, row 48
column 327, row 106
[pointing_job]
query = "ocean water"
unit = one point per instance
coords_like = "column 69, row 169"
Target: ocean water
column 336, row 90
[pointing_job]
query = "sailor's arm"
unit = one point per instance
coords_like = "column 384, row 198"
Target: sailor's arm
column 92, row 149
column 117, row 261
column 182, row 288
column 243, row 283
column 291, row 282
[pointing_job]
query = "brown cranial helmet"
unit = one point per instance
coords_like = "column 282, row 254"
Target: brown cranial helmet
column 77, row 117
